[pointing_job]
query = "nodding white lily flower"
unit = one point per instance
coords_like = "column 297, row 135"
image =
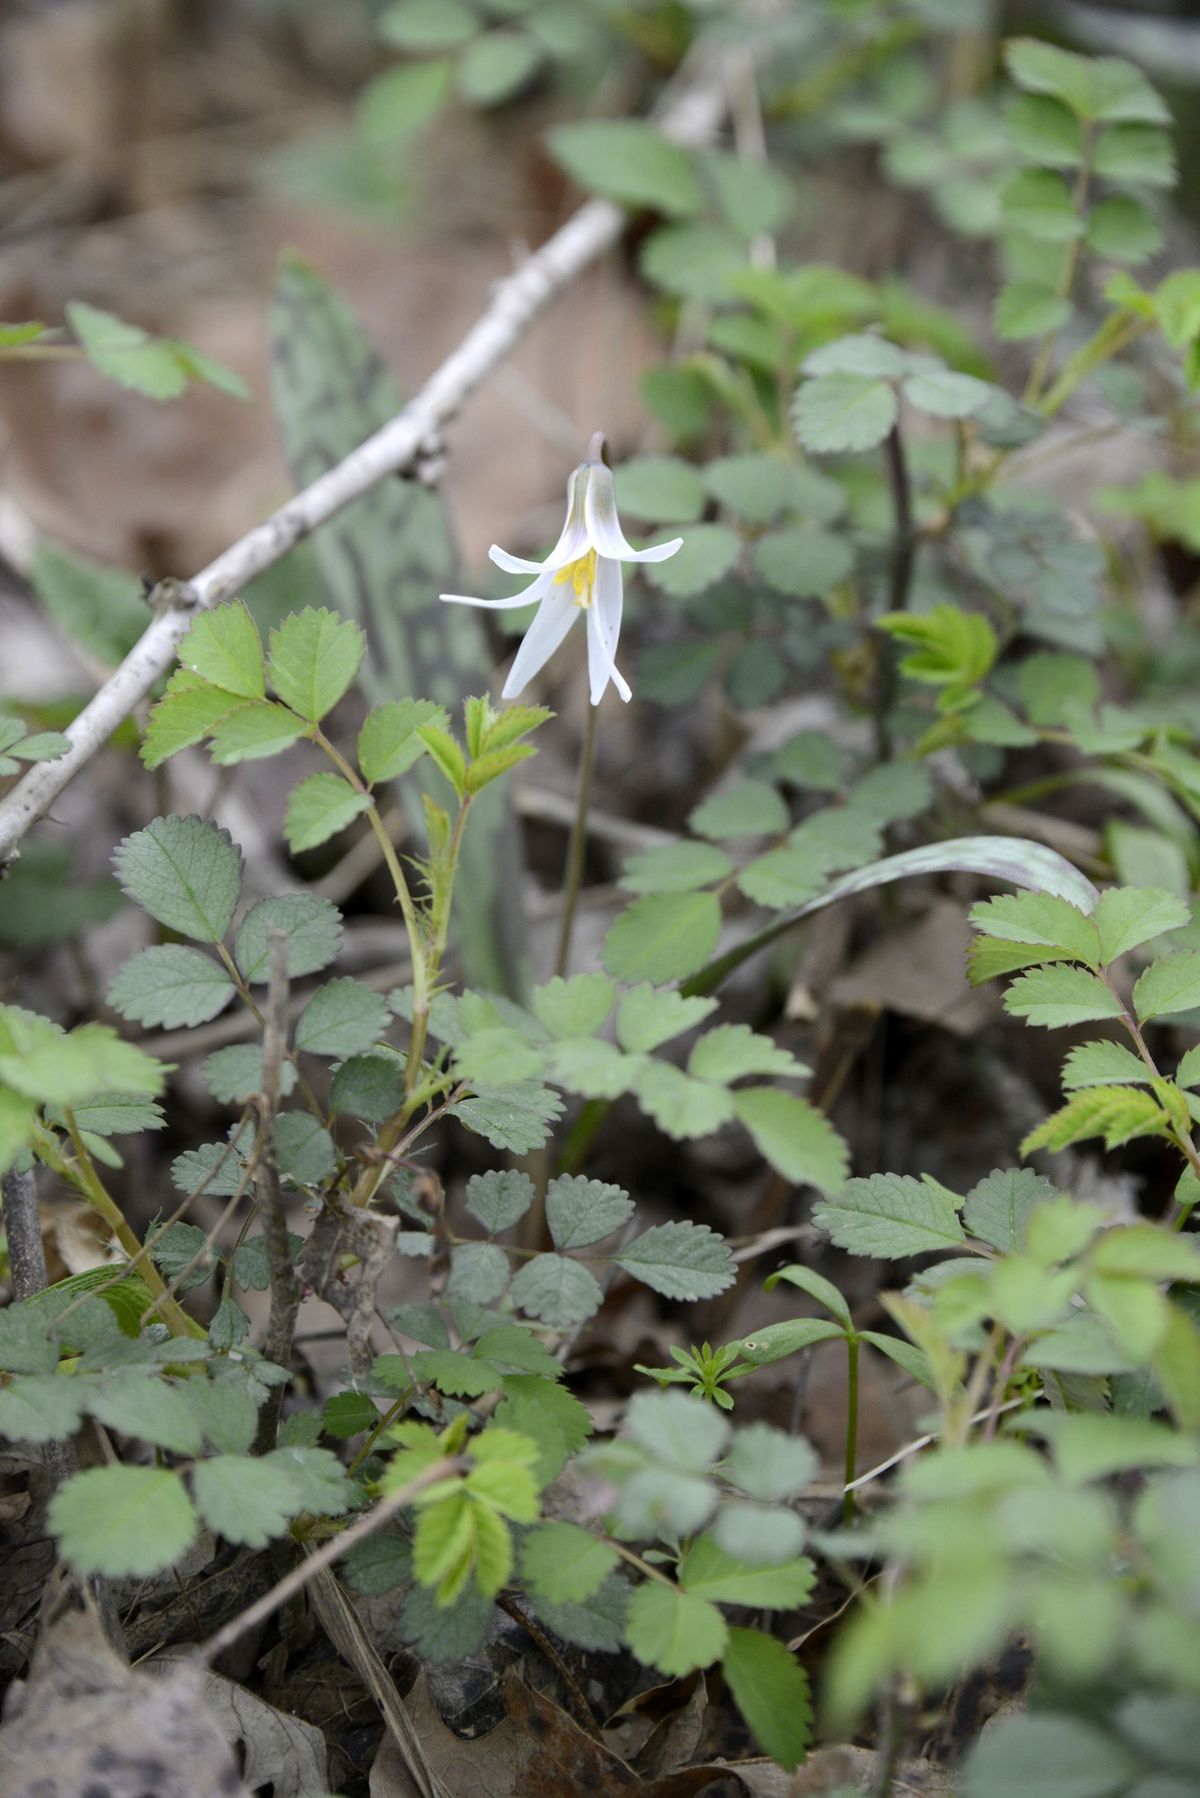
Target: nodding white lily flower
column 582, row 573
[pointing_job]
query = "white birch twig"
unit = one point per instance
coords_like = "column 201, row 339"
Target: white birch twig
column 691, row 118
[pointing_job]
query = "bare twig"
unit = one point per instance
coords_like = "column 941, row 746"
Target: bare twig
column 323, row 1557
column 516, row 301
column 285, row 1288
column 22, row 1226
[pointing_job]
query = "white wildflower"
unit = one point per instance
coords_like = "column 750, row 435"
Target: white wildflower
column 582, row 573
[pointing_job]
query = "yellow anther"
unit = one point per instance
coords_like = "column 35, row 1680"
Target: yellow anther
column 582, row 576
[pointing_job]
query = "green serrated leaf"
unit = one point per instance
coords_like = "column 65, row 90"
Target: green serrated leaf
column 253, row 731
column 1103, row 1064
column 770, row 1688
column 224, row 648
column 646, row 1018
column 342, row 1018
column 682, row 1260
column 1116, row 1113
column 155, row 1411
column 170, row 986
column 123, row 1521
column 630, row 162
column 891, row 1215
column 673, row 1631
column 314, row 657
column 1169, row 986
column 388, row 744
column 319, row 807
column 709, row 1572
column 1056, row 996
column 1129, row 916
column 244, row 1499
column 835, row 412
column 663, row 937
column 499, row 1199
column 675, row 868
column 732, row 1051
column 564, row 1563
column 581, row 1211
column 998, row 1207
column 556, row 1291
column 185, row 872
column 313, row 928
column 793, row 1136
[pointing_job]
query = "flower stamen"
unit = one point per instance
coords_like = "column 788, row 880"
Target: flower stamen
column 582, row 576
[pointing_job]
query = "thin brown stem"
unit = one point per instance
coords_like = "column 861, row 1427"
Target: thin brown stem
column 329, row 1552
column 284, row 1286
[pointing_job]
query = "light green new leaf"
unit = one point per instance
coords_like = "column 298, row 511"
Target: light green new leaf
column 710, row 1573
column 496, row 66
column 680, row 1106
column 1169, row 986
column 223, row 647
column 673, row 1631
column 314, row 657
column 646, row 1018
column 189, row 711
column 127, row 354
column 1038, row 202
column 574, row 1007
column 565, row 1563
column 319, row 807
column 1116, row 1113
column 732, row 1051
column 123, row 1520
column 630, row 162
column 770, row 1688
column 388, row 744
column 170, row 986
column 344, row 1017
column 797, row 1139
column 186, row 872
column 421, row 25
column 751, row 808
column 244, row 1499
column 675, row 868
column 1128, row 916
column 62, row 1069
column 1103, row 1064
column 1041, row 919
column 891, row 1215
column 1055, row 996
column 313, row 927
column 1094, row 88
column 663, row 937
column 254, row 731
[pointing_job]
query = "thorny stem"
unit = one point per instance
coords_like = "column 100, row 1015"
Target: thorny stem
column 100, row 1199
column 325, row 1556
column 255, row 1010
column 851, row 1427
column 576, row 851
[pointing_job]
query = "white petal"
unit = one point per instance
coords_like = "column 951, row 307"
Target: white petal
column 556, row 615
column 573, row 540
column 604, row 629
column 604, row 527
column 525, row 597
column 512, row 564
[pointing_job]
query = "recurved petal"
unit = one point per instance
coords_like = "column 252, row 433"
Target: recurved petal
column 525, row 597
column 604, row 527
column 513, row 564
column 555, row 616
column 604, row 630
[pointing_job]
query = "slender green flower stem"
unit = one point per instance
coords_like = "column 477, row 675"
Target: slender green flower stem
column 851, row 1425
column 578, row 844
